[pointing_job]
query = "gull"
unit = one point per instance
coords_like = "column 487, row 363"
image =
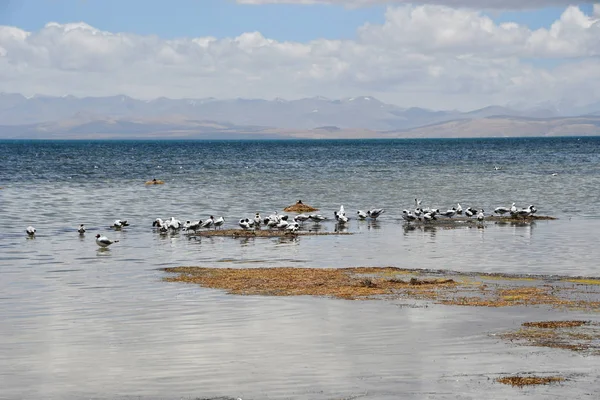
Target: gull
column 429, row 217
column 301, row 218
column 496, row 168
column 450, row 213
column 340, row 218
column 30, row 230
column 103, row 241
column 376, row 212
column 524, row 212
column 317, row 217
column 244, row 223
column 282, row 224
column 271, row 223
column 418, row 212
column 408, row 216
column 192, row 226
column 174, row 224
column 342, row 211
column 257, row 219
column 293, row 227
column 469, row 212
column 158, row 222
column 417, row 203
column 207, row 223
column 81, row 229
column 480, row 215
column 501, row 210
column 459, row 209
column 361, row 214
column 513, row 208
column 118, row 224
column 219, row 222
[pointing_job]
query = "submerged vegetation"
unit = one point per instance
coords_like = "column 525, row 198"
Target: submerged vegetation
column 520, row 381
column 575, row 335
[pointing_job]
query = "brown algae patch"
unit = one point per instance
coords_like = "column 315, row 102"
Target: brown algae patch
column 235, row 233
column 442, row 287
column 344, row 283
column 584, row 281
column 521, row 381
column 300, row 207
column 574, row 335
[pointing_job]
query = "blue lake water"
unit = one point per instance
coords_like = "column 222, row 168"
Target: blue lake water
column 83, row 323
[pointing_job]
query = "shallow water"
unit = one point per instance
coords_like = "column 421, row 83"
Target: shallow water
column 78, row 322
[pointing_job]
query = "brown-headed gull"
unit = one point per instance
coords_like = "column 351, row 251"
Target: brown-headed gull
column 375, row 213
column 103, row 241
column 219, row 222
column 81, row 229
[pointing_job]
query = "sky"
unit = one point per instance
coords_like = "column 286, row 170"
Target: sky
column 439, row 54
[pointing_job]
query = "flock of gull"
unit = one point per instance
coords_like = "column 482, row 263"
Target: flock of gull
column 429, row 214
column 293, row 224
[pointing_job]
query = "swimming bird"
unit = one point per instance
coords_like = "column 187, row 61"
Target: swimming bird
column 418, row 212
column 174, row 224
column 513, row 209
column 375, row 213
column 282, row 224
column 118, row 224
column 30, row 230
column 459, row 209
column 103, row 241
column 81, row 229
column 469, row 212
column 158, row 222
column 361, row 214
column 219, row 222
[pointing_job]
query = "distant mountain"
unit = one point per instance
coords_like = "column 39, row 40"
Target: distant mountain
column 505, row 127
column 123, row 116
column 192, row 129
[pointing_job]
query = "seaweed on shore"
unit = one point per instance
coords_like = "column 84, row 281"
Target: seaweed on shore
column 448, row 288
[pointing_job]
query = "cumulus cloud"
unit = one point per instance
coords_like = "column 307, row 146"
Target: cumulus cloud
column 477, row 4
column 429, row 55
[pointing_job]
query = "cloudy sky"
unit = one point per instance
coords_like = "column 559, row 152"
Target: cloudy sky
column 459, row 54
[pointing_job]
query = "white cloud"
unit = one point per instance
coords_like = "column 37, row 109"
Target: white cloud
column 477, row 4
column 428, row 55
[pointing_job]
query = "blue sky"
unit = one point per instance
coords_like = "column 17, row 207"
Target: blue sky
column 220, row 18
column 427, row 56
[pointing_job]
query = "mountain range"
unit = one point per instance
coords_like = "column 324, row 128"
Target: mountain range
column 70, row 117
